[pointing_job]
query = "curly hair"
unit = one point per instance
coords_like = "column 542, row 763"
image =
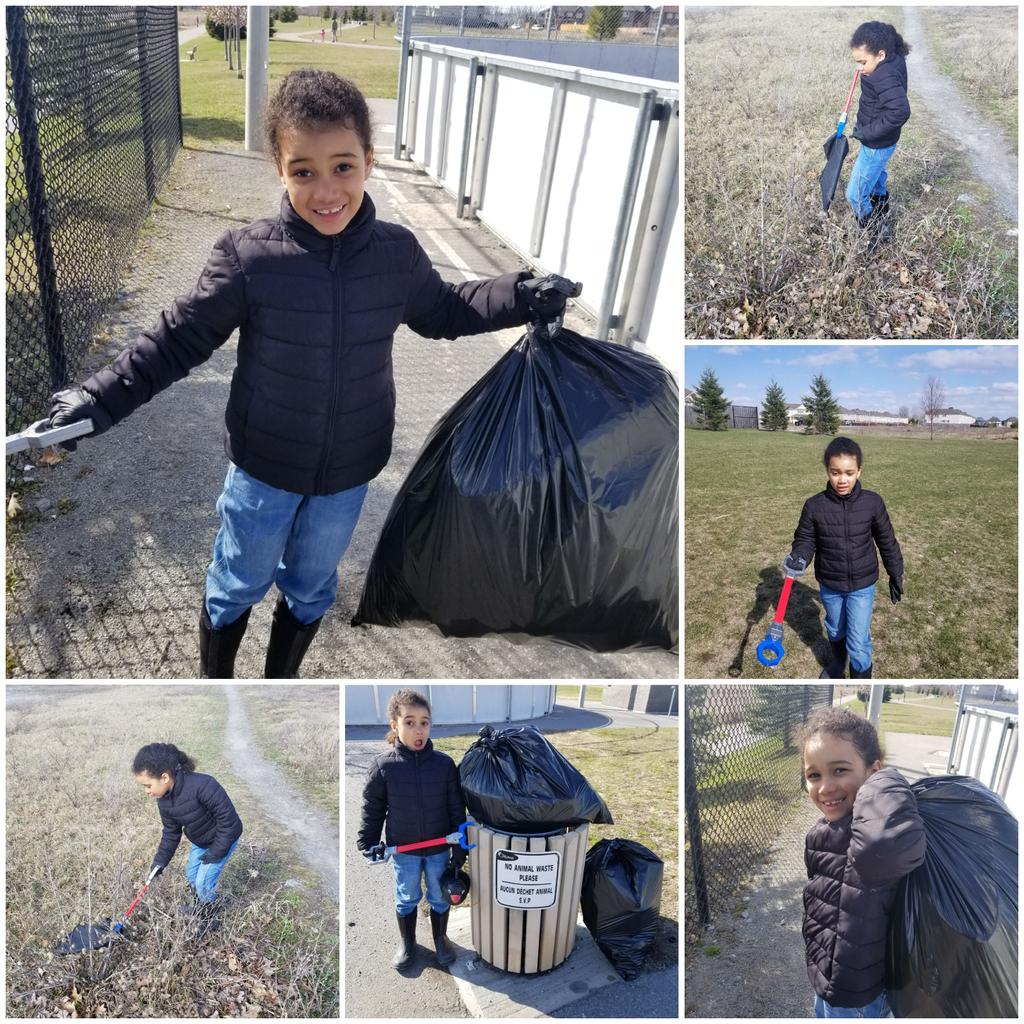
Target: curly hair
column 309, row 99
column 403, row 699
column 157, row 758
column 846, row 725
column 844, row 446
column 876, row 36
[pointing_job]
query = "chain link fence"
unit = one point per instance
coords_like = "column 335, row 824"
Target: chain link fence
column 93, row 126
column 742, row 782
column 644, row 26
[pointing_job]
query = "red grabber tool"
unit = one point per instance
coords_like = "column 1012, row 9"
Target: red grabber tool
column 381, row 853
column 770, row 650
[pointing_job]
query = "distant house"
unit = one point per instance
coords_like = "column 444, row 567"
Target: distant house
column 1010, row 421
column 952, row 417
column 796, row 412
column 865, row 416
column 992, row 421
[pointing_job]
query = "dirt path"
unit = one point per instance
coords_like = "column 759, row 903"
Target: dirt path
column 316, row 837
column 991, row 156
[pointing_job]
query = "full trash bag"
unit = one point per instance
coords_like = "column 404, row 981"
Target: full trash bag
column 621, row 900
column 952, row 949
column 516, row 781
column 544, row 503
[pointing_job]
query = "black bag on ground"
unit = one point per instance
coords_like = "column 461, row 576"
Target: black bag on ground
column 516, row 781
column 544, row 502
column 952, row 949
column 621, row 900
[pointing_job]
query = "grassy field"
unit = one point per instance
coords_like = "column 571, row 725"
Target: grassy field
column 953, row 505
column 636, row 771
column 80, row 840
column 762, row 260
column 923, row 718
column 213, row 97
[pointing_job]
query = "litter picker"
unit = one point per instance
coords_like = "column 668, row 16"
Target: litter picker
column 770, row 650
column 96, row 936
column 382, row 853
column 836, row 147
column 42, row 435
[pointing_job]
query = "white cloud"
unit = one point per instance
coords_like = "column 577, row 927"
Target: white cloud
column 734, row 350
column 973, row 360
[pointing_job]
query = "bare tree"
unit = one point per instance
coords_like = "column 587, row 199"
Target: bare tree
column 905, row 412
column 933, row 400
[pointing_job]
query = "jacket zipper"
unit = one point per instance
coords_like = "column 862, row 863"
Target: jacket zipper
column 419, row 796
column 335, row 374
column 846, row 529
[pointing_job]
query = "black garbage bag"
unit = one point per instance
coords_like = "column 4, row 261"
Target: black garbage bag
column 544, row 503
column 516, row 781
column 952, row 949
column 621, row 900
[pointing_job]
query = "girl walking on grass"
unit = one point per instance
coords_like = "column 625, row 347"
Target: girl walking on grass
column 318, row 291
column 413, row 792
column 197, row 805
column 869, row 837
column 879, row 51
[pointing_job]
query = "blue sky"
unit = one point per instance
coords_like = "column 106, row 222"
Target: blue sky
column 980, row 380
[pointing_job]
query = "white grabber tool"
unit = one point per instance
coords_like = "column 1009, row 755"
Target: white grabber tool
column 42, row 435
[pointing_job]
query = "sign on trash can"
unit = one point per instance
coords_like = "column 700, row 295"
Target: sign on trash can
column 525, row 881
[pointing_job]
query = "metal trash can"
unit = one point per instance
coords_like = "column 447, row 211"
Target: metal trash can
column 526, row 892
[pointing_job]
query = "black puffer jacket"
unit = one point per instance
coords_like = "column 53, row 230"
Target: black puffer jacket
column 854, row 866
column 198, row 805
column 417, row 793
column 840, row 532
column 312, row 403
column 884, row 107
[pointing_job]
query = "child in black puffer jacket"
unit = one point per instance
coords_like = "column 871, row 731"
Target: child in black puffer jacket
column 414, row 790
column 839, row 528
column 879, row 51
column 870, row 837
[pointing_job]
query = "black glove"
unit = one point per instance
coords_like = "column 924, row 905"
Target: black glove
column 546, row 297
column 74, row 404
column 459, row 856
column 895, row 589
column 376, row 854
column 794, row 566
column 209, row 858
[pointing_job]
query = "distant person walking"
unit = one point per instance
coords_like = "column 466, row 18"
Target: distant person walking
column 322, row 33
column 334, row 29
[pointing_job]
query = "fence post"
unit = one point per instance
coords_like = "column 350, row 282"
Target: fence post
column 177, row 80
column 35, row 187
column 144, row 104
column 700, row 885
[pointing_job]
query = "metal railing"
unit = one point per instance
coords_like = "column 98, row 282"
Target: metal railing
column 93, row 126
column 742, row 778
column 984, row 745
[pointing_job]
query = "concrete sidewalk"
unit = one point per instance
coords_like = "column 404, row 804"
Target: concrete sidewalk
column 109, row 581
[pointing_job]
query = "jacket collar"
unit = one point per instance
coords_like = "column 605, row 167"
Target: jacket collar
column 832, row 493
column 353, row 238
column 409, row 754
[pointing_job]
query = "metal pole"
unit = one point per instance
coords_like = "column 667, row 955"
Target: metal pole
column 636, row 317
column 645, row 112
column 403, row 79
column 144, row 104
column 35, row 188
column 700, row 884
column 957, row 727
column 461, row 197
column 257, row 76
column 177, row 78
column 483, row 138
column 875, row 703
column 583, row 696
column 547, row 168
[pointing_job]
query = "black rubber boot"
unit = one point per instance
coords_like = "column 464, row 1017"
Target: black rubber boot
column 857, row 674
column 836, row 668
column 880, row 205
column 442, row 947
column 406, row 952
column 208, row 919
column 289, row 641
column 192, row 906
column 218, row 647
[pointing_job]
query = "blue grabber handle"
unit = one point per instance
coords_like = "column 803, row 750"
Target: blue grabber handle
column 770, row 650
column 462, row 835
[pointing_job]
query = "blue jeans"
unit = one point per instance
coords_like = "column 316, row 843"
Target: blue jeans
column 408, row 869
column 868, row 178
column 272, row 536
column 877, row 1008
column 849, row 614
column 203, row 877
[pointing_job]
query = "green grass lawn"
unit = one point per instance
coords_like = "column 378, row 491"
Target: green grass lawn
column 213, row 97
column 921, row 719
column 953, row 505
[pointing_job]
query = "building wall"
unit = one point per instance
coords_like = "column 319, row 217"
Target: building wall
column 453, row 703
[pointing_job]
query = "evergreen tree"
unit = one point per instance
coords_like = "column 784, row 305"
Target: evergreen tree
column 603, row 22
column 773, row 409
column 822, row 408
column 709, row 402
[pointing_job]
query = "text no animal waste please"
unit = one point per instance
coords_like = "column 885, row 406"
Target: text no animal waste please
column 526, row 881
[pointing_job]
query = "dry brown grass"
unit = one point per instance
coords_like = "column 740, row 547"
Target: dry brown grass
column 80, row 840
column 762, row 260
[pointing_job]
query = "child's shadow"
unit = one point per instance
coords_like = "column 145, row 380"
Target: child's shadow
column 802, row 618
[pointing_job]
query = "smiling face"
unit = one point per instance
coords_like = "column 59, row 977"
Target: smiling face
column 867, row 62
column 155, row 787
column 412, row 726
column 324, row 173
column 843, row 473
column 834, row 771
